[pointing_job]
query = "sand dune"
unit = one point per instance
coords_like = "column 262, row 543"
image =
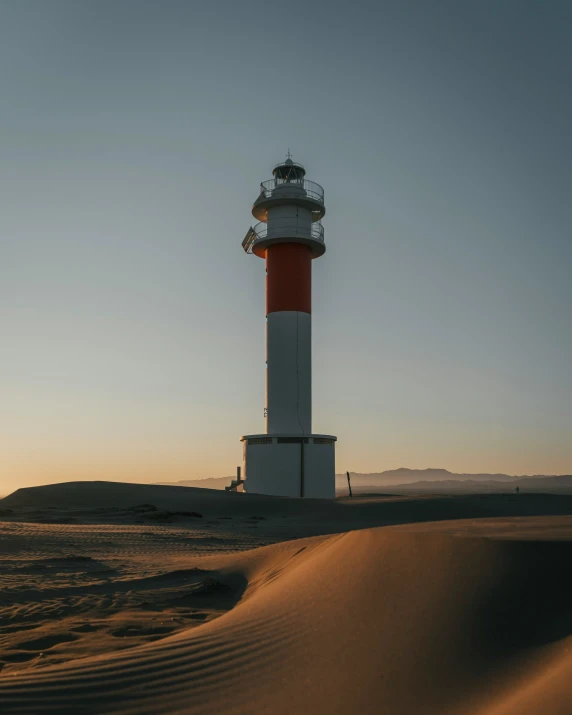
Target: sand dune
column 342, row 513
column 374, row 621
column 462, row 616
column 121, row 494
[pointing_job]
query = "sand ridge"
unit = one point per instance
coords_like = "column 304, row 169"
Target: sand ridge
column 461, row 616
column 377, row 620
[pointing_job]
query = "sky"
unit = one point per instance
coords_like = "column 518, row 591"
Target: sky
column 133, row 137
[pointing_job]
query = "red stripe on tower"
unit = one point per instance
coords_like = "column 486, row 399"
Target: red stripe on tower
column 288, row 278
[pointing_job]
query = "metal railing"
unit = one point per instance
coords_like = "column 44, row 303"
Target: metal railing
column 311, row 189
column 290, row 229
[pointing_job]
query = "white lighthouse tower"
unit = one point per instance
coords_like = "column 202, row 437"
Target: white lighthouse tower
column 288, row 459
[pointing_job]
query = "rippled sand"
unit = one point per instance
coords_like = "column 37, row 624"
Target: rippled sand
column 140, row 599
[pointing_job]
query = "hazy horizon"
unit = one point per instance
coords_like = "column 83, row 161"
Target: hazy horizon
column 133, row 140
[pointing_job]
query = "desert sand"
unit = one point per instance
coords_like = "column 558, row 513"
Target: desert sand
column 122, row 598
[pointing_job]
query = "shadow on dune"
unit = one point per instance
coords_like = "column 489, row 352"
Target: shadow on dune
column 373, row 621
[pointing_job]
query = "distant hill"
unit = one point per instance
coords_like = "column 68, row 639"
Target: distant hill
column 561, row 482
column 467, row 483
column 409, row 476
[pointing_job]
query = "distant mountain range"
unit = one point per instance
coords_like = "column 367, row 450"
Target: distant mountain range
column 405, row 480
column 550, row 485
column 406, row 476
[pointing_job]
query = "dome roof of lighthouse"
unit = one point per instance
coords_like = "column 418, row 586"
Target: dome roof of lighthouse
column 289, row 170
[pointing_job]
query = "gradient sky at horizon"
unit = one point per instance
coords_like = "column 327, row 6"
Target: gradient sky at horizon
column 133, row 136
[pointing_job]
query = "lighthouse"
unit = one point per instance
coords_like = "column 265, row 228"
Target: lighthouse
column 288, row 459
